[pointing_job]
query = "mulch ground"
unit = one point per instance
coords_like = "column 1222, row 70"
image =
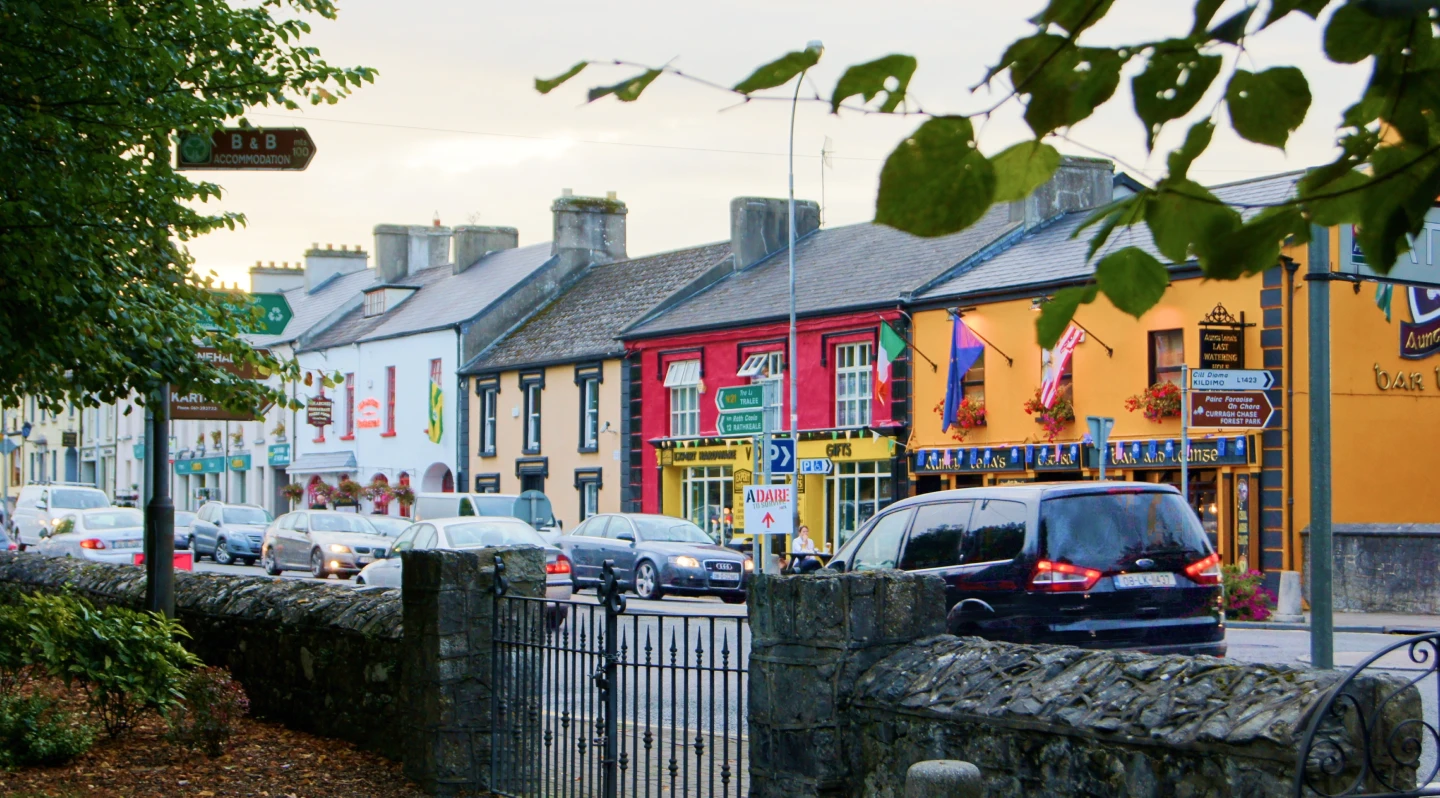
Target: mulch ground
column 264, row 759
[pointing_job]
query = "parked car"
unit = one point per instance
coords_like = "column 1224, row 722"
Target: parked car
column 102, row 534
column 1093, row 564
column 40, row 505
column 471, row 533
column 656, row 555
column 323, row 542
column 183, row 521
column 532, row 507
column 389, row 526
column 228, row 532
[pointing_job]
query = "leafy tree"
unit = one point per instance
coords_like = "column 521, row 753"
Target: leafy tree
column 938, row 182
column 99, row 296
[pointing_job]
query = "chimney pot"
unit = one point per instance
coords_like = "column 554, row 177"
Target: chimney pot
column 272, row 264
column 588, row 230
column 610, row 195
column 760, row 227
column 472, row 242
column 565, row 192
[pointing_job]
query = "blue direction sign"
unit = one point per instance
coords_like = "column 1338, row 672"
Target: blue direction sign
column 781, row 456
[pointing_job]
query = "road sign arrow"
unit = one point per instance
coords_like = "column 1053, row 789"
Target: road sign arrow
column 768, row 520
column 1231, row 379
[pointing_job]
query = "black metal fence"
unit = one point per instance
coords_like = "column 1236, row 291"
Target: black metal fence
column 592, row 700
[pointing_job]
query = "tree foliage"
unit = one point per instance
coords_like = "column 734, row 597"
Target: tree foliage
column 1385, row 179
column 99, row 296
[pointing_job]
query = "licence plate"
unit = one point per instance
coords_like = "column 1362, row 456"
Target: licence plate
column 126, row 544
column 362, row 559
column 724, row 576
column 1144, row 580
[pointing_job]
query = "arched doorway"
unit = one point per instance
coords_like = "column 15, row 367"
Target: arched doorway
column 404, row 483
column 438, row 479
column 380, row 505
column 312, row 498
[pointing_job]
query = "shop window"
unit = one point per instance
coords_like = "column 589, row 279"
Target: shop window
column 852, row 385
column 683, row 380
column 973, row 382
column 706, row 499
column 1067, row 378
column 588, row 482
column 854, row 493
column 489, row 397
column 1167, row 356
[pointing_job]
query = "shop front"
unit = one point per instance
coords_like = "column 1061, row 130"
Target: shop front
column 978, row 466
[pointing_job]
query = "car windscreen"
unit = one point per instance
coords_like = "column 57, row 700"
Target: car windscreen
column 1108, row 531
column 113, row 519
column 321, row 522
column 390, row 527
column 245, row 515
column 474, row 534
column 494, row 506
column 78, row 499
column 184, row 519
column 670, row 530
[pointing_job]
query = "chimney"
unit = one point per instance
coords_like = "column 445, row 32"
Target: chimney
column 402, row 250
column 1078, row 185
column 471, row 242
column 588, row 229
column 271, row 279
column 760, row 227
column 323, row 264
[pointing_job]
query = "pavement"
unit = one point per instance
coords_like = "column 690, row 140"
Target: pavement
column 1386, row 623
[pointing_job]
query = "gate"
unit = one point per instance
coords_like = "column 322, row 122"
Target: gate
column 592, row 700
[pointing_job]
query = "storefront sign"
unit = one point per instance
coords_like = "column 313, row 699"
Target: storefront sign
column 239, row 462
column 318, row 411
column 1419, row 265
column 367, row 414
column 200, row 465
column 989, row 458
column 278, row 454
column 1222, row 348
column 686, row 456
column 1166, row 453
column 196, row 406
column 1062, row 457
column 69, row 439
column 1419, row 340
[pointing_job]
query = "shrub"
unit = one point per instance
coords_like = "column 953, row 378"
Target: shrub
column 34, row 730
column 210, row 704
column 1245, row 598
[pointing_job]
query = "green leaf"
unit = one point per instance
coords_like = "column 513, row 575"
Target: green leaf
column 1023, row 168
column 1174, row 80
column 1197, row 140
column 1056, row 314
column 1064, row 83
column 1266, row 107
column 1073, row 15
column 1232, row 30
column 1353, row 34
column 1406, row 181
column 779, row 72
column 1251, row 248
column 1280, row 8
column 1204, row 12
column 545, row 86
column 871, row 78
column 935, row 182
column 626, row 91
column 1126, row 211
column 1133, row 280
column 1181, row 213
column 1332, row 200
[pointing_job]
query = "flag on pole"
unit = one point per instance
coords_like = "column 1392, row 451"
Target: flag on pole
column 437, row 412
column 1059, row 359
column 892, row 346
column 965, row 349
column 1384, row 297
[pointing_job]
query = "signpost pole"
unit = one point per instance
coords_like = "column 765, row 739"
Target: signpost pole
column 1322, row 554
column 769, row 388
column 1185, row 431
column 160, row 513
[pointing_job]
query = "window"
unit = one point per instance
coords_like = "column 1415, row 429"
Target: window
column 854, row 494
column 589, row 413
column 852, row 385
column 1167, row 356
column 973, row 382
column 380, row 505
column 594, row 528
column 1067, row 379
column 404, row 483
column 706, row 494
column 349, row 407
column 683, row 380
column 435, row 373
column 768, row 368
column 389, row 400
column 532, row 416
column 881, row 548
column 488, row 399
column 997, row 532
column 588, row 483
column 938, row 536
column 374, row 303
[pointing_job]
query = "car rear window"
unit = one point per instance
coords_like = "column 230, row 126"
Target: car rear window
column 115, row 519
column 245, row 515
column 1107, row 531
column 78, row 499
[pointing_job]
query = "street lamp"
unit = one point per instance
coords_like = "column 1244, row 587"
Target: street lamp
column 815, row 46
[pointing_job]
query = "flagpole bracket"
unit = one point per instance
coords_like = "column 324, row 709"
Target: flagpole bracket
column 1109, row 350
column 959, row 313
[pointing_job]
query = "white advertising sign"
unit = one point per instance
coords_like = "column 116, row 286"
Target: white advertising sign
column 769, row 509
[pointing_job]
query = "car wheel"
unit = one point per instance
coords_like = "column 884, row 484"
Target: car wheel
column 267, row 561
column 317, row 565
column 733, row 599
column 647, row 582
column 222, row 554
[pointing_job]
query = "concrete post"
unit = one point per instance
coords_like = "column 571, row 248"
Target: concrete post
column 812, row 637
column 943, row 778
column 448, row 604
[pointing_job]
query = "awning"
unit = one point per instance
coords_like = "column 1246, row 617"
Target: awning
column 322, row 463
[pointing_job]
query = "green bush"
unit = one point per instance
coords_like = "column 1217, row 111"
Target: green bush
column 210, row 704
column 34, row 730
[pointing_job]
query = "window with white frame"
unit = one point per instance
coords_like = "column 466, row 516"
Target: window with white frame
column 590, row 413
column 768, row 368
column 683, row 380
column 374, row 303
column 532, row 416
column 588, row 483
column 488, row 400
column 852, row 385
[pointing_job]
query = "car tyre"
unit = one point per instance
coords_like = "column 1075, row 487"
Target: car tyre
column 317, row 565
column 647, row 582
column 267, row 561
column 221, row 555
column 733, row 599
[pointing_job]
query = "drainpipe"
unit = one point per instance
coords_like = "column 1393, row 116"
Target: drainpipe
column 1290, row 555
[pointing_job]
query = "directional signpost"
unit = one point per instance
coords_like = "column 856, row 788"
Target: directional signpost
column 817, row 465
column 284, row 148
column 769, row 509
column 1231, row 380
column 745, row 422
column 1231, row 409
column 275, row 312
column 740, row 397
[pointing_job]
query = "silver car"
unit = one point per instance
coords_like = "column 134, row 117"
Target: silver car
column 323, row 542
column 472, row 533
column 105, row 534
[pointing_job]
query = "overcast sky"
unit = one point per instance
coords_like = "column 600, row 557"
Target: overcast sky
column 453, row 126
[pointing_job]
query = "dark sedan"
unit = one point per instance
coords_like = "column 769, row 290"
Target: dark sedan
column 656, row 555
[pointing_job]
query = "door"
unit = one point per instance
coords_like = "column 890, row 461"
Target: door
column 587, row 546
column 203, row 530
column 935, row 543
column 623, row 552
column 292, row 541
column 989, row 582
column 881, row 547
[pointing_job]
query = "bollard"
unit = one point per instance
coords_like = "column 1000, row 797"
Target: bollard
column 1287, row 606
column 943, row 778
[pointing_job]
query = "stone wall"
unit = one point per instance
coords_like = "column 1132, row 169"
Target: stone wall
column 1384, row 568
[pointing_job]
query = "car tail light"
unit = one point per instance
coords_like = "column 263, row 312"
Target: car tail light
column 92, row 543
column 1206, row 571
column 560, row 566
column 1060, row 577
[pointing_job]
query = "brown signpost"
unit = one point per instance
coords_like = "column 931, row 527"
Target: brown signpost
column 196, row 406
column 282, row 148
column 1230, row 409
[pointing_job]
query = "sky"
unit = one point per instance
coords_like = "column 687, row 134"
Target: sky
column 453, row 128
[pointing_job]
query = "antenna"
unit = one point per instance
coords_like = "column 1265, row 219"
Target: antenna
column 825, row 151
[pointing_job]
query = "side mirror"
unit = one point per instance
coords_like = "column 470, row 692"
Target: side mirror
column 630, row 536
column 42, row 505
column 219, row 522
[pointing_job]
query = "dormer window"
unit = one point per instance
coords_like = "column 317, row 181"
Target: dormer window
column 374, row 303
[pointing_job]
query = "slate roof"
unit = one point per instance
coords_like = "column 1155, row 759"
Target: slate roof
column 584, row 322
column 311, row 308
column 1049, row 255
column 444, row 299
column 859, row 265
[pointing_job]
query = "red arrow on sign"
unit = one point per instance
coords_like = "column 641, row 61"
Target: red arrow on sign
column 767, row 520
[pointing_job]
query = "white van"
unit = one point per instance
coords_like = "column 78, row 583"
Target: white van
column 39, row 506
column 532, row 507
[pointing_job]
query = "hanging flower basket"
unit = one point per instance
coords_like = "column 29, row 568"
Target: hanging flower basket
column 279, row 430
column 377, row 490
column 294, row 491
column 215, row 436
column 1055, row 418
column 1158, row 402
column 403, row 494
column 968, row 416
column 348, row 492
column 321, row 495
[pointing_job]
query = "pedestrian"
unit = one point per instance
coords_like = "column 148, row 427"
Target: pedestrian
column 802, row 544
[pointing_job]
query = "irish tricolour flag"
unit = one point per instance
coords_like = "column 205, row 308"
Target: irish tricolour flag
column 892, row 346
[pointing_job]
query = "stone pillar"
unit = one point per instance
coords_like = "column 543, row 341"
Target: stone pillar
column 448, row 602
column 812, row 637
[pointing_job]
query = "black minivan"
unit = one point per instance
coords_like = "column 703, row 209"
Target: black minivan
column 1091, row 564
